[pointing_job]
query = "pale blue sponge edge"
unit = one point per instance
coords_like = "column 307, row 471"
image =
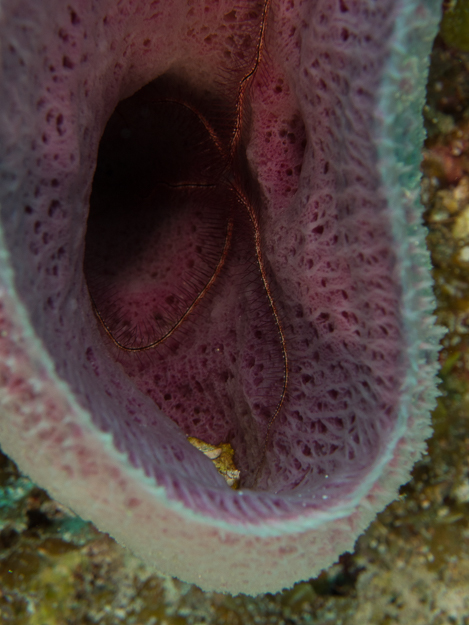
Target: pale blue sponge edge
column 400, row 138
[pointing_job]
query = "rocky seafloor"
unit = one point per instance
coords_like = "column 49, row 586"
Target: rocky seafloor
column 412, row 564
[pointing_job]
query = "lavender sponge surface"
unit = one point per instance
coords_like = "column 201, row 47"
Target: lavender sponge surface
column 330, row 154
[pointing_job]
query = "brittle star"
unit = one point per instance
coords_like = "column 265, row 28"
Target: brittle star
column 231, row 178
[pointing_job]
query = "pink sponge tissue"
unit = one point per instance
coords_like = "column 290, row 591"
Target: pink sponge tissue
column 210, row 228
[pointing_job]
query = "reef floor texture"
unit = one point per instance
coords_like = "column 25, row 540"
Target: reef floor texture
column 411, row 565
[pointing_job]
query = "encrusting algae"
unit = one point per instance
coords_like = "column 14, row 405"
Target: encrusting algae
column 455, row 25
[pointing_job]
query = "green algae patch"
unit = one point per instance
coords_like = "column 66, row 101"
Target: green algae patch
column 54, row 586
column 455, row 25
column 19, row 568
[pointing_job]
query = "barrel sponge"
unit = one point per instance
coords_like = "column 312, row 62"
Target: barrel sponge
column 334, row 146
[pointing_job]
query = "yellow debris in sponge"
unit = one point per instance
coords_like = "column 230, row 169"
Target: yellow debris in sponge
column 222, row 457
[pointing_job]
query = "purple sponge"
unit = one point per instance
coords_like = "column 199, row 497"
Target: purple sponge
column 233, row 253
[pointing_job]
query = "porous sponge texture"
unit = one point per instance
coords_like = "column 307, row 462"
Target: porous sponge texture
column 332, row 251
column 330, row 244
